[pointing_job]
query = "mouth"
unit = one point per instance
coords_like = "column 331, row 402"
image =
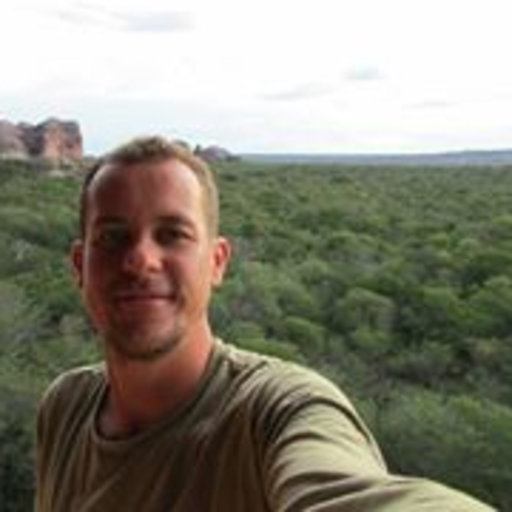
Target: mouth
column 143, row 298
column 132, row 297
column 143, row 305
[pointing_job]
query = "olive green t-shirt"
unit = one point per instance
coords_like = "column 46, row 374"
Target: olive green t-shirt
column 259, row 435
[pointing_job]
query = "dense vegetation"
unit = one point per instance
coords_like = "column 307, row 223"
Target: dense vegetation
column 396, row 283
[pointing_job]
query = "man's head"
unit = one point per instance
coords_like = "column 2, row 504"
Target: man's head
column 153, row 149
column 149, row 254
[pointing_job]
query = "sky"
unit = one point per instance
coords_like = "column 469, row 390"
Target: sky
column 286, row 76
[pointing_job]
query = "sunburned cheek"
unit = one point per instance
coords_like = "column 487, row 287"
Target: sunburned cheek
column 101, row 258
column 95, row 295
column 97, row 315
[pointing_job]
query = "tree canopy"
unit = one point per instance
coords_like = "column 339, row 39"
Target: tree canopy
column 394, row 282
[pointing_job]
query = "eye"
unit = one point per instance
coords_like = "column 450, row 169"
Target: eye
column 170, row 235
column 112, row 237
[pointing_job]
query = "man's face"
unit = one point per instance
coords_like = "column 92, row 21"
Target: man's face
column 147, row 262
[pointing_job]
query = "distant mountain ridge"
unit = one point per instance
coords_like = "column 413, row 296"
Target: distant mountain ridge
column 455, row 158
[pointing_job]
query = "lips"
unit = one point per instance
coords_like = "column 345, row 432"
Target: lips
column 132, row 296
column 143, row 305
column 143, row 300
column 142, row 297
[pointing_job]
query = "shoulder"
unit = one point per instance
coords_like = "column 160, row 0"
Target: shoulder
column 276, row 378
column 287, row 397
column 74, row 382
column 315, row 450
column 70, row 392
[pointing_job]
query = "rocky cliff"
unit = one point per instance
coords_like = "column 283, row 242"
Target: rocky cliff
column 53, row 140
column 214, row 154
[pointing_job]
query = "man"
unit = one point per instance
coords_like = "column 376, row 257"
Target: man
column 176, row 420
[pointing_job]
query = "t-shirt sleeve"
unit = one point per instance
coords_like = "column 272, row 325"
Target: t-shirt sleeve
column 57, row 413
column 323, row 459
column 45, row 440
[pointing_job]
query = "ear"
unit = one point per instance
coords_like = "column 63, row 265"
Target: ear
column 77, row 258
column 221, row 257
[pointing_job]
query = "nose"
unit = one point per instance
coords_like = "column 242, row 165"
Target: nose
column 142, row 257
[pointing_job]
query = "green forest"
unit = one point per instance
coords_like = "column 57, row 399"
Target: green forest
column 396, row 283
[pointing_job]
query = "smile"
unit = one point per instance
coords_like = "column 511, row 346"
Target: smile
column 143, row 299
column 136, row 297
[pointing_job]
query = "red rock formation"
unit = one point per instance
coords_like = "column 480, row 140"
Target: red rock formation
column 53, row 140
column 11, row 143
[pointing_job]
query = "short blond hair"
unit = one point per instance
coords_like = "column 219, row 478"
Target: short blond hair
column 153, row 149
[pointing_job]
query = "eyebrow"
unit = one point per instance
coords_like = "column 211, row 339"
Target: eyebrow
column 172, row 219
column 175, row 219
column 109, row 220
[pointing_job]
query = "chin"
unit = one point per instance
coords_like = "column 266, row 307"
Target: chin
column 144, row 344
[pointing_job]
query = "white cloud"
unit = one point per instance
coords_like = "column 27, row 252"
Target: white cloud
column 364, row 73
column 301, row 91
column 87, row 13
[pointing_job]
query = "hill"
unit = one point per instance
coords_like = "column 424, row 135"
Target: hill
column 450, row 159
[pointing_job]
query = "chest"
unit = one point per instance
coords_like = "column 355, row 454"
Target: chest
column 215, row 466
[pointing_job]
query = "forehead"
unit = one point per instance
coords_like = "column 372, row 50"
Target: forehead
column 169, row 172
column 166, row 180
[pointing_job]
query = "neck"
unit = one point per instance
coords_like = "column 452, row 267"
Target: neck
column 142, row 392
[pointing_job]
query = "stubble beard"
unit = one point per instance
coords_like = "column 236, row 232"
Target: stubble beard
column 142, row 347
column 141, row 343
